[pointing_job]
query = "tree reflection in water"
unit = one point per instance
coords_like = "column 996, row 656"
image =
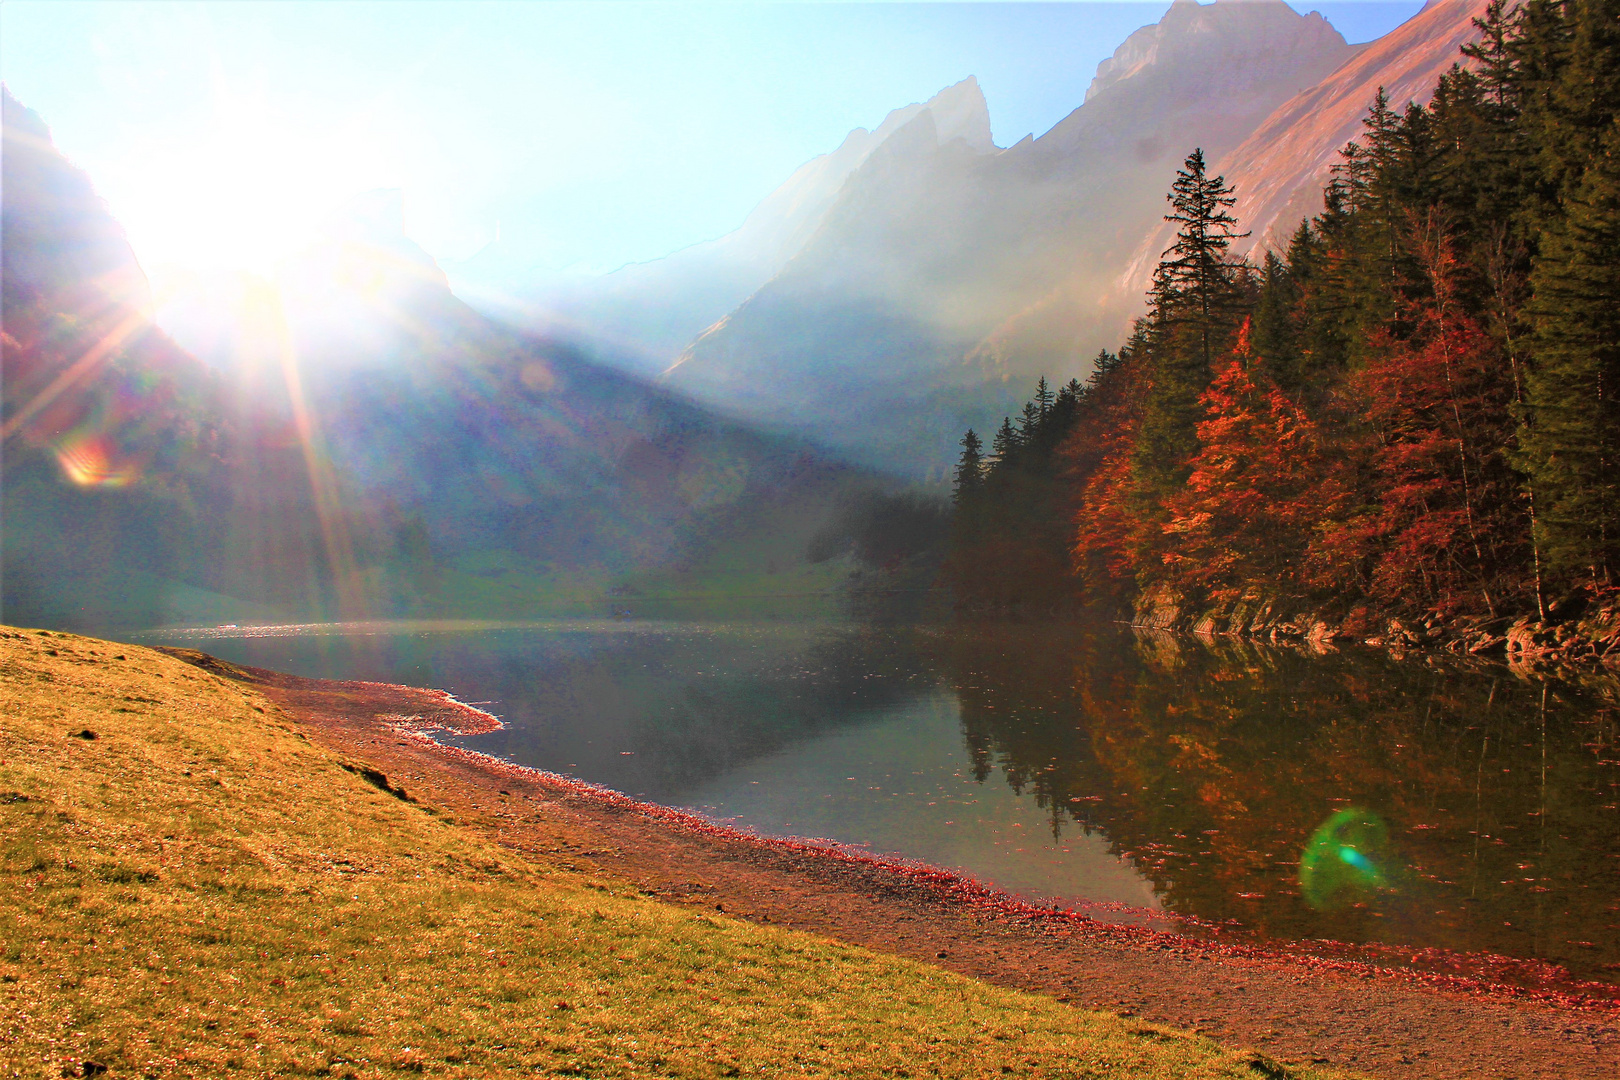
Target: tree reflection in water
column 1209, row 764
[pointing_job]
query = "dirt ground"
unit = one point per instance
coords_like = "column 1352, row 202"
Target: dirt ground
column 1293, row 1006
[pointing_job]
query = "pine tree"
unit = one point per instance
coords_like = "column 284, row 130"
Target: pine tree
column 1006, row 442
column 1493, row 57
column 1381, row 143
column 1584, row 97
column 1571, row 446
column 1043, row 398
column 969, row 470
column 1029, row 426
column 1276, row 339
column 1193, row 285
column 1197, row 292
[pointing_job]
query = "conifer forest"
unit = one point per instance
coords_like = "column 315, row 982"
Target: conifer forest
column 1414, row 409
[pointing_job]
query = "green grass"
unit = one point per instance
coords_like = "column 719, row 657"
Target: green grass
column 200, row 890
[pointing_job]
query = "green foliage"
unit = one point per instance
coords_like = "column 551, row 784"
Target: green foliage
column 1009, row 537
column 1572, row 444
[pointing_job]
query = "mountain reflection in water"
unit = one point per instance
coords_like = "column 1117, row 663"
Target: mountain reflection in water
column 1077, row 762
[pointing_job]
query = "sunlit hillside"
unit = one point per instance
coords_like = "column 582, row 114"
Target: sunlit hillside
column 354, row 442
column 191, row 886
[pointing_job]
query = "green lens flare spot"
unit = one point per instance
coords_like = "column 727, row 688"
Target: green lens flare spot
column 1344, row 859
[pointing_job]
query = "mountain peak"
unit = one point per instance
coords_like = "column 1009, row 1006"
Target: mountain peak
column 1265, row 30
column 69, row 239
column 960, row 112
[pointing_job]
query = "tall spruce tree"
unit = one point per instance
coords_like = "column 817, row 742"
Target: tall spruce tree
column 1194, row 283
column 1571, row 445
column 1565, row 62
column 969, row 469
column 1276, row 338
column 1043, row 397
column 1006, row 442
column 1197, row 294
column 1029, row 423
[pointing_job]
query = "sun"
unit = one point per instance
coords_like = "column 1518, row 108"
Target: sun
column 252, row 187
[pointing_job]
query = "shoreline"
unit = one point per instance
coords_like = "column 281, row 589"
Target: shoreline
column 1576, row 637
column 949, row 886
column 1306, row 1002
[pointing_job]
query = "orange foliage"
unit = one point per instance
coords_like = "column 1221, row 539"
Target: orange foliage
column 1256, row 487
column 1107, row 540
column 1433, row 509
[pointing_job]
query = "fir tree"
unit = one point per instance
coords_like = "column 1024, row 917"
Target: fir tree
column 1006, row 441
column 1043, row 398
column 1193, row 285
column 1029, row 423
column 1571, row 446
column 1492, row 55
column 1276, row 339
column 1196, row 297
column 969, row 469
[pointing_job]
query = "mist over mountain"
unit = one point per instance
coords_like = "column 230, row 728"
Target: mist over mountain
column 355, row 442
column 914, row 281
column 65, row 240
column 646, row 313
column 947, row 275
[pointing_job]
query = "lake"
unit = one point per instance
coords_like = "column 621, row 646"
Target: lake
column 1211, row 785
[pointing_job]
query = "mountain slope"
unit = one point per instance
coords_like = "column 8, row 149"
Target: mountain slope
column 645, row 313
column 109, row 428
column 1280, row 170
column 881, row 334
column 359, row 443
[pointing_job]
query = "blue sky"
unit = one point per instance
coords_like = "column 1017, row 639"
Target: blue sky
column 588, row 134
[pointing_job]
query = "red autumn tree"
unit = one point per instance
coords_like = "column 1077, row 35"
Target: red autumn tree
column 1253, row 494
column 1438, row 504
column 1098, row 457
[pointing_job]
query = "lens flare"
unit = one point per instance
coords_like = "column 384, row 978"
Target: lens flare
column 92, row 461
column 76, row 374
column 1345, row 859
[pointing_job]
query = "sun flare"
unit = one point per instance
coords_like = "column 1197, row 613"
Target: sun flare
column 252, row 188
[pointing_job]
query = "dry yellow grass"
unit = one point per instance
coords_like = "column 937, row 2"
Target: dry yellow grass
column 199, row 890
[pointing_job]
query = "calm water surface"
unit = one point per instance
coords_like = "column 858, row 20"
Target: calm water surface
column 1149, row 777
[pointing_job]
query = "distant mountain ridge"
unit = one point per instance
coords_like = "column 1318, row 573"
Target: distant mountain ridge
column 944, row 278
column 914, row 281
column 1279, row 171
column 68, row 240
column 647, row 312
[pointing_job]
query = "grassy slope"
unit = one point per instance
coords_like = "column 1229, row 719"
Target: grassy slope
column 200, row 889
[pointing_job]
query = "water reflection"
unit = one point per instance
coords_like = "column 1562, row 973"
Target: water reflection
column 1210, row 764
column 896, row 782
column 1420, row 806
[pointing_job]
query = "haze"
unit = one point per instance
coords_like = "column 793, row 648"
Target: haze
column 582, row 136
